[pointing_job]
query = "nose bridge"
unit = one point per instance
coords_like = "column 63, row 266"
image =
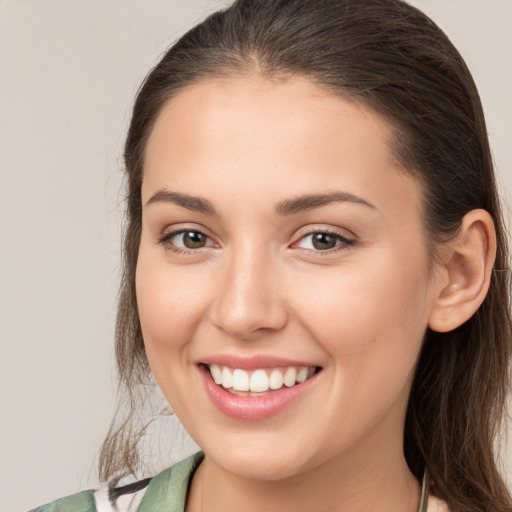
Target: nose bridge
column 249, row 299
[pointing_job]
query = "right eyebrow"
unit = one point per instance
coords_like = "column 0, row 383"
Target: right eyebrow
column 196, row 204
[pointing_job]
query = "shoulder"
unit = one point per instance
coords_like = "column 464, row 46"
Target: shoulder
column 81, row 502
column 167, row 489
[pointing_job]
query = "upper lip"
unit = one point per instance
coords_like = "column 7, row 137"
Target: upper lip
column 253, row 362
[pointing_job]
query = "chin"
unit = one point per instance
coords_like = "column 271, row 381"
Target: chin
column 259, row 463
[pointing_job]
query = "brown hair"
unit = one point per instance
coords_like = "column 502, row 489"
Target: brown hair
column 389, row 56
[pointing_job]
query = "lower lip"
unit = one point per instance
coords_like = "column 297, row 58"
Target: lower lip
column 254, row 407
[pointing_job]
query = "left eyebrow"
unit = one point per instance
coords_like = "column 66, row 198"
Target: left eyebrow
column 309, row 202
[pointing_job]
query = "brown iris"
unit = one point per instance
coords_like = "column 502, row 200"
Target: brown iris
column 323, row 241
column 194, row 239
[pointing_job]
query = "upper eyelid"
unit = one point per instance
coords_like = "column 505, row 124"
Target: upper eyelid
column 173, row 230
column 337, row 232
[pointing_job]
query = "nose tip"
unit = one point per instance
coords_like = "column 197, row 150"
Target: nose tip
column 249, row 303
column 243, row 322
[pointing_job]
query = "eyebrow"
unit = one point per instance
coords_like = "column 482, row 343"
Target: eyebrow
column 309, row 202
column 286, row 207
column 196, row 204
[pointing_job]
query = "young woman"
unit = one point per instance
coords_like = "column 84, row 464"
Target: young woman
column 316, row 268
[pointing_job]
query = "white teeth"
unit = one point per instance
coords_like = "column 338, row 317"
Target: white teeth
column 240, row 380
column 227, row 378
column 259, row 381
column 290, row 377
column 216, row 373
column 302, row 375
column 276, row 380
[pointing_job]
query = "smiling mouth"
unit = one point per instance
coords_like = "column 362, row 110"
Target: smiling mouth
column 261, row 381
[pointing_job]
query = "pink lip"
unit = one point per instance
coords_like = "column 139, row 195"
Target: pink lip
column 254, row 408
column 252, row 362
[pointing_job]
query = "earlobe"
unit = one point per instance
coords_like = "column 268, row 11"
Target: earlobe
column 467, row 267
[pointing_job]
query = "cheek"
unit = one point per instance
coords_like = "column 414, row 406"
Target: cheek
column 370, row 321
column 170, row 304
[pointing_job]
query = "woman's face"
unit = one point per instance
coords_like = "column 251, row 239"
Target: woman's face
column 278, row 235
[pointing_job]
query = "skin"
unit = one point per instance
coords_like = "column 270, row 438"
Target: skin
column 259, row 286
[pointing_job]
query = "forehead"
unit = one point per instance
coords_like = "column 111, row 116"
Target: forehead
column 276, row 137
column 257, row 108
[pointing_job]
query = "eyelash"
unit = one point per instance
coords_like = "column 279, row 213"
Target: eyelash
column 342, row 242
column 345, row 242
column 165, row 241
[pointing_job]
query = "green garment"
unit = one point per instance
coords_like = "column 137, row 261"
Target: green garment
column 166, row 492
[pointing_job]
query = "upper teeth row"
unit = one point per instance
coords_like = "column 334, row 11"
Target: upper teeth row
column 259, row 380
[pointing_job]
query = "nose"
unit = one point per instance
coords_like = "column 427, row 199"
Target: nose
column 250, row 301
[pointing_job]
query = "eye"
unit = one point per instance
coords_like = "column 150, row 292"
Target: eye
column 186, row 240
column 324, row 241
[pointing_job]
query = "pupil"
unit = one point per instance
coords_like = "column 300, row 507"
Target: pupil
column 193, row 239
column 323, row 241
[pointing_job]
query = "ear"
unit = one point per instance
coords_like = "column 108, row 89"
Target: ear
column 467, row 263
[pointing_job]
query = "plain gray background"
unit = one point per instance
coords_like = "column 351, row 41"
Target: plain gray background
column 69, row 70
